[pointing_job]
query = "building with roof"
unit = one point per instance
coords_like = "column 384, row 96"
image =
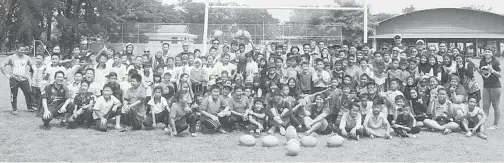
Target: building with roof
column 172, row 34
column 468, row 30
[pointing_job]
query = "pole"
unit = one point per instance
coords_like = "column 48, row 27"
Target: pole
column 138, row 33
column 365, row 21
column 263, row 29
column 205, row 28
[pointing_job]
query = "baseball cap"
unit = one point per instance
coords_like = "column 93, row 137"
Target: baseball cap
column 111, row 74
column 397, row 36
column 271, row 66
column 395, row 48
column 420, row 41
column 185, row 44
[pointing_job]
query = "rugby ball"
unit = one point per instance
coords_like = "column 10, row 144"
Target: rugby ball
column 335, row 141
column 290, row 133
column 247, row 140
column 218, row 33
column 293, row 149
column 309, row 141
column 269, row 141
column 247, row 35
column 238, row 34
column 295, row 141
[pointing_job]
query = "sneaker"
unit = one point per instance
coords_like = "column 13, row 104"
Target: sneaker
column 357, row 137
column 494, row 127
column 468, row 134
column 31, row 110
column 193, row 135
column 446, row 131
column 371, row 136
column 15, row 112
column 412, row 136
column 482, row 135
column 257, row 134
column 222, row 131
column 62, row 124
column 119, row 128
column 166, row 129
column 282, row 131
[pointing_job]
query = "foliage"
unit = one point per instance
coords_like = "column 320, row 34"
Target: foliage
column 478, row 8
column 409, row 9
column 351, row 21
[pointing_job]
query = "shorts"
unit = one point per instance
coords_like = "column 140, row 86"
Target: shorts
column 471, row 125
column 442, row 120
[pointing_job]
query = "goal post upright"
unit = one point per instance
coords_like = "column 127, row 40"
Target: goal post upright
column 208, row 6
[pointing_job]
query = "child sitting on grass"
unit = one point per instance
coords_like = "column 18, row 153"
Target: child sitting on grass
column 256, row 117
column 474, row 119
column 376, row 124
column 405, row 123
column 83, row 112
column 106, row 106
column 350, row 125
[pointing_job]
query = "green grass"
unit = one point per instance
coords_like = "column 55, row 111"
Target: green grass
column 22, row 140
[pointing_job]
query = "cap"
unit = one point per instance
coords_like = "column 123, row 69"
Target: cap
column 420, row 41
column 396, row 48
column 111, row 74
column 23, row 50
column 185, row 44
column 397, row 36
column 197, row 60
column 271, row 65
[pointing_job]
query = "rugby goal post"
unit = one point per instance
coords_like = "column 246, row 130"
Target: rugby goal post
column 208, row 6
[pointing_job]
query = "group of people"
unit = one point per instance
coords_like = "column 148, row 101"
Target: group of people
column 350, row 90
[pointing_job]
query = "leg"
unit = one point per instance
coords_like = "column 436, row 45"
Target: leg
column 148, row 120
column 495, row 94
column 192, row 120
column 36, row 98
column 486, row 101
column 25, row 87
column 181, row 125
column 452, row 126
column 14, row 85
column 433, row 124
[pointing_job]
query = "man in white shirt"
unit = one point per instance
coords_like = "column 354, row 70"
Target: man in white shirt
column 18, row 77
column 321, row 78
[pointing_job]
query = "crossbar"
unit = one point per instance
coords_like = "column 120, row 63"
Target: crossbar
column 208, row 6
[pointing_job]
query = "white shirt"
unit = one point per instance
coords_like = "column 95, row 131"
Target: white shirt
column 251, row 68
column 319, row 81
column 219, row 67
column 104, row 106
column 52, row 70
column 157, row 107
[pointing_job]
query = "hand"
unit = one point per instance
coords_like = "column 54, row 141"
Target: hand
column 382, row 94
column 344, row 133
column 187, row 109
column 244, row 117
column 353, row 132
column 103, row 121
column 62, row 110
column 8, row 76
column 47, row 114
column 215, row 118
column 114, row 109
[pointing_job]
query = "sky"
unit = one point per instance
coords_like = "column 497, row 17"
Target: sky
column 376, row 6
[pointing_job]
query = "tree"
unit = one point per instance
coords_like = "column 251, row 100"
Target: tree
column 351, row 21
column 478, row 8
column 409, row 9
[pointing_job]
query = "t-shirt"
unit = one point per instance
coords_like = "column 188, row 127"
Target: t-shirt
column 82, row 99
column 319, row 81
column 38, row 76
column 177, row 112
column 55, row 95
column 212, row 106
column 492, row 81
column 313, row 111
column 405, row 120
column 376, row 122
column 104, row 106
column 348, row 121
column 472, row 116
column 135, row 94
column 441, row 110
column 51, row 71
column 305, row 81
column 239, row 105
column 159, row 106
column 19, row 66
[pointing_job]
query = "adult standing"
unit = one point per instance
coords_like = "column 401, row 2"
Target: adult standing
column 18, row 77
column 491, row 72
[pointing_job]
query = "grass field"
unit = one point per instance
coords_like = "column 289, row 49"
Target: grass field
column 22, row 140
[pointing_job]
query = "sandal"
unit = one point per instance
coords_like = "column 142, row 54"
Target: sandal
column 446, row 131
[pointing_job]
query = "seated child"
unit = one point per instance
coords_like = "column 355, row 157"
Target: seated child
column 474, row 119
column 405, row 123
column 280, row 114
column 376, row 124
column 257, row 117
column 314, row 116
column 106, row 107
column 83, row 112
column 350, row 125
column 158, row 107
column 442, row 113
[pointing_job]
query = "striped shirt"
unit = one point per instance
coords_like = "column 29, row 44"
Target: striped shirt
column 38, row 76
column 19, row 66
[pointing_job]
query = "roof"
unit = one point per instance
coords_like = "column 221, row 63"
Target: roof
column 434, row 9
column 172, row 29
column 442, row 35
